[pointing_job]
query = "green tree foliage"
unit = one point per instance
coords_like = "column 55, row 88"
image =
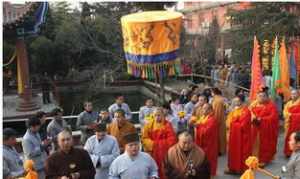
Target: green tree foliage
column 197, row 50
column 8, row 51
column 212, row 40
column 101, row 28
column 90, row 38
column 265, row 20
column 42, row 57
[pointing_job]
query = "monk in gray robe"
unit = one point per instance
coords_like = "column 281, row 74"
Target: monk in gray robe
column 133, row 164
column 12, row 162
column 103, row 149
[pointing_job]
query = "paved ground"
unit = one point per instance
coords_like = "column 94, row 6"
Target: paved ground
column 10, row 105
column 274, row 167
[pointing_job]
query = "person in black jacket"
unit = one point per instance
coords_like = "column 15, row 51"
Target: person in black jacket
column 46, row 85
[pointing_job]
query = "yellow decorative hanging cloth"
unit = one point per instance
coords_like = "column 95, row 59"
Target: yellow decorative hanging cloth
column 28, row 167
column 252, row 163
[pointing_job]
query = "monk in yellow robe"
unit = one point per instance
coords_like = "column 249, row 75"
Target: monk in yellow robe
column 265, row 127
column 223, row 74
column 291, row 114
column 157, row 137
column 197, row 113
column 219, row 114
column 120, row 127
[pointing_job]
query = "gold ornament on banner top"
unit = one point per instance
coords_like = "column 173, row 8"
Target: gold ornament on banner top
column 151, row 42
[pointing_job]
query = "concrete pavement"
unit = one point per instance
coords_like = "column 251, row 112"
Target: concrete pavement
column 274, row 167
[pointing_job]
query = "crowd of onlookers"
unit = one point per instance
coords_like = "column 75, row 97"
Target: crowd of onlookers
column 235, row 74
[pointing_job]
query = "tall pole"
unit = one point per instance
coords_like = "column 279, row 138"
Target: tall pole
column 26, row 102
column 162, row 88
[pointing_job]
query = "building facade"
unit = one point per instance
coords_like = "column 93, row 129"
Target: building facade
column 198, row 17
column 12, row 12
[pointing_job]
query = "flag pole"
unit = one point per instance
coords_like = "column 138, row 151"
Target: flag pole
column 268, row 173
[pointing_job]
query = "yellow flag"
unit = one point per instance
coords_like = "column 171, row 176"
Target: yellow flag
column 284, row 72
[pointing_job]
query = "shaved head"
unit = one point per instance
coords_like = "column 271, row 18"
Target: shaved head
column 185, row 141
column 64, row 133
column 159, row 114
column 65, row 140
column 184, row 134
column 294, row 94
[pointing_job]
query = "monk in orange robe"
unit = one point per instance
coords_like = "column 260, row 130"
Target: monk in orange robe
column 120, row 127
column 265, row 127
column 291, row 114
column 206, row 137
column 157, row 137
column 239, row 132
column 219, row 108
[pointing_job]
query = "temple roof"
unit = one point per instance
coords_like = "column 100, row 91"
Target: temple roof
column 23, row 19
column 14, row 13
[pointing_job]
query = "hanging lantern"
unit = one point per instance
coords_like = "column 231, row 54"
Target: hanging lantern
column 151, row 43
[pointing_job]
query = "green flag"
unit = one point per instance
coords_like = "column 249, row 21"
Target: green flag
column 275, row 71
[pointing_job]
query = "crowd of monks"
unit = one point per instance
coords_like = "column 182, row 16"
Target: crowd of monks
column 211, row 128
column 248, row 129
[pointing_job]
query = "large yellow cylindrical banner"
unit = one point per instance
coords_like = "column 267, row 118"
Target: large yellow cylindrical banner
column 151, row 43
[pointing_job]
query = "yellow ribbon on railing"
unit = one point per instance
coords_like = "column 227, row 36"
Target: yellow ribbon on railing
column 11, row 59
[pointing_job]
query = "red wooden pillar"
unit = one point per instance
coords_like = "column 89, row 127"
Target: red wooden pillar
column 26, row 102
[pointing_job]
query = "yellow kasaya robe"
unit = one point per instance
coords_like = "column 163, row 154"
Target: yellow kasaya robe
column 286, row 113
column 223, row 75
column 219, row 113
column 196, row 116
column 291, row 114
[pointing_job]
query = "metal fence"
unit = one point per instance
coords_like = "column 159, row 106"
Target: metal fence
column 70, row 119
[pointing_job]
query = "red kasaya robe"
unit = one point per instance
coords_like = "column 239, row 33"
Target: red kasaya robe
column 157, row 138
column 206, row 137
column 264, row 136
column 294, row 125
column 239, row 145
